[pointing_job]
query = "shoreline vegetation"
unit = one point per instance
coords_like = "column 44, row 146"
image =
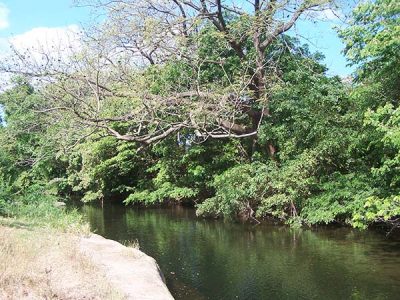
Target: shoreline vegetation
column 231, row 114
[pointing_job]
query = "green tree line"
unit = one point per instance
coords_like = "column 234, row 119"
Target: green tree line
column 238, row 121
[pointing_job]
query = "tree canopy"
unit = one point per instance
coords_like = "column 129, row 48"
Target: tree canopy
column 214, row 105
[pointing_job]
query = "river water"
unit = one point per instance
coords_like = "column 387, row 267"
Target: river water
column 213, row 259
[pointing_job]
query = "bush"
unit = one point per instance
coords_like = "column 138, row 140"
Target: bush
column 35, row 206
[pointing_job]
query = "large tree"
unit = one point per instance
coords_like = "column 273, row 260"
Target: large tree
column 105, row 81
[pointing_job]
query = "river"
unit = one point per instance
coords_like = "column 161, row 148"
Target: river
column 213, row 259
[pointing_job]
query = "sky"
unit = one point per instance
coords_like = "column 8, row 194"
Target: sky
column 24, row 20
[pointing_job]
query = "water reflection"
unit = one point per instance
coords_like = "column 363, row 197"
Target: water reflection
column 204, row 259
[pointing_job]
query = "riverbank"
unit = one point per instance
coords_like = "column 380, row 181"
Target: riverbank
column 41, row 263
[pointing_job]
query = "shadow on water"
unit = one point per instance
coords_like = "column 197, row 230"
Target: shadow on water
column 208, row 259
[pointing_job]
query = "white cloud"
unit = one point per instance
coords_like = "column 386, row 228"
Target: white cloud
column 4, row 12
column 47, row 39
column 44, row 45
column 38, row 46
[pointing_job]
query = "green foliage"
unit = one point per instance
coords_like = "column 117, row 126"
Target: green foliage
column 104, row 168
column 182, row 172
column 237, row 190
column 36, row 206
column 339, row 198
column 384, row 210
column 373, row 42
column 337, row 146
column 4, row 197
column 310, row 111
column 162, row 192
column 289, row 186
column 386, row 121
column 172, row 77
column 26, row 166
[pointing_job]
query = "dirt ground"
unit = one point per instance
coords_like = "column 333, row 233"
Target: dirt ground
column 37, row 263
column 44, row 264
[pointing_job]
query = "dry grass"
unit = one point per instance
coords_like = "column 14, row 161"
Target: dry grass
column 132, row 244
column 46, row 264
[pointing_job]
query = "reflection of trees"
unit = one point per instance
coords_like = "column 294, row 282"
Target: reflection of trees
column 225, row 260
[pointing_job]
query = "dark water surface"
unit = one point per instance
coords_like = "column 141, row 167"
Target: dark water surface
column 208, row 259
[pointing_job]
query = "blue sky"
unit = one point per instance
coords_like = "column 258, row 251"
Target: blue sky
column 322, row 37
column 25, row 15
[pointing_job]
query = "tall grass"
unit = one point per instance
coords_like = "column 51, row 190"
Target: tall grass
column 36, row 206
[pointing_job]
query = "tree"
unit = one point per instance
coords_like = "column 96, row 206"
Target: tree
column 231, row 113
column 373, row 43
column 106, row 84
